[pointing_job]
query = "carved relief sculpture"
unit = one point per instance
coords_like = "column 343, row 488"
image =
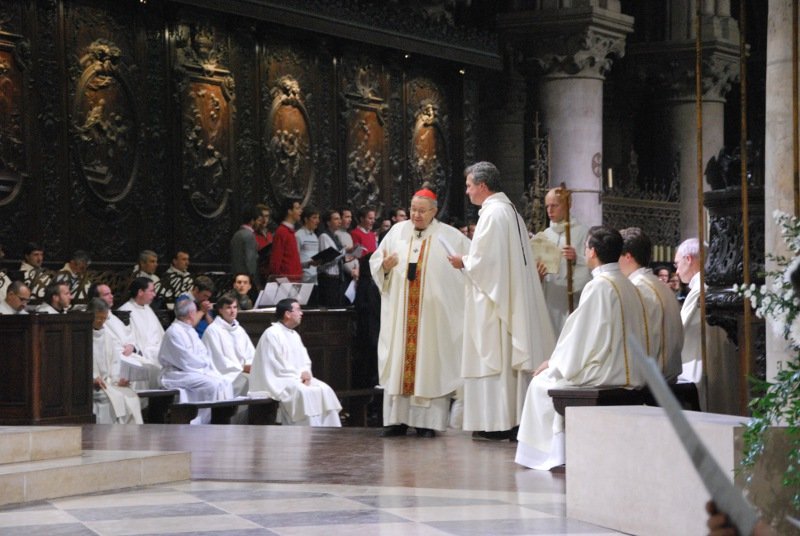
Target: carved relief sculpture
column 288, row 145
column 13, row 62
column 206, row 90
column 105, row 125
column 363, row 117
column 429, row 158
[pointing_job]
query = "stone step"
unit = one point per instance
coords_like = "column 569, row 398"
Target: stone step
column 33, row 443
column 92, row 471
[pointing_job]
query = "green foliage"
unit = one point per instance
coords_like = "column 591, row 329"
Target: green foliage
column 779, row 400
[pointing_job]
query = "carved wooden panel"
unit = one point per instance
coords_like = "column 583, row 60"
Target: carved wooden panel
column 428, row 155
column 13, row 152
column 288, row 141
column 363, row 95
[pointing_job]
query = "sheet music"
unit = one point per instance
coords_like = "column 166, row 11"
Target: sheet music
column 728, row 499
column 446, row 245
column 546, row 252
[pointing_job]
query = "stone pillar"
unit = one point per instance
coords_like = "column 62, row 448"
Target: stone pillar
column 571, row 48
column 502, row 131
column 778, row 169
column 669, row 65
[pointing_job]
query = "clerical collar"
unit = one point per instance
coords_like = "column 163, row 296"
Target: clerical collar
column 606, row 268
column 561, row 226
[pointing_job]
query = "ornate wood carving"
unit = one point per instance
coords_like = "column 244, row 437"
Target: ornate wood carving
column 429, row 147
column 14, row 58
column 105, row 123
column 364, row 121
column 206, row 90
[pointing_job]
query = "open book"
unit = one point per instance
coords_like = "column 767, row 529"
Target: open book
column 546, row 252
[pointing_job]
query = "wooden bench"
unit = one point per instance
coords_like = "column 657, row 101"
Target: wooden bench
column 686, row 393
column 159, row 402
column 259, row 411
column 355, row 402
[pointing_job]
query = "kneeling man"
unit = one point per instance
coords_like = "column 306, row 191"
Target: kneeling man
column 282, row 369
column 593, row 349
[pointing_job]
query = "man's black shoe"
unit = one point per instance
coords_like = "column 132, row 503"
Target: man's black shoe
column 491, row 436
column 425, row 432
column 394, row 430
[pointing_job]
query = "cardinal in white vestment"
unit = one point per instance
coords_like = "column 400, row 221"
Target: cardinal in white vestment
column 554, row 285
column 186, row 363
column 593, row 349
column 145, row 327
column 229, row 344
column 719, row 392
column 664, row 327
column 507, row 332
column 282, row 370
column 422, row 319
column 114, row 401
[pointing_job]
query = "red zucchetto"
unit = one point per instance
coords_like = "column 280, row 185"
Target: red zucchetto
column 424, row 192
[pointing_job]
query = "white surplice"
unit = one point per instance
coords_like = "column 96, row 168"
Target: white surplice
column 279, row 361
column 592, row 350
column 6, row 309
column 187, row 366
column 147, row 333
column 555, row 285
column 721, row 357
column 507, row 331
column 664, row 327
column 439, row 324
column 114, row 404
column 231, row 349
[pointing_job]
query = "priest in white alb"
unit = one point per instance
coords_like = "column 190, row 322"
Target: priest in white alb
column 145, row 327
column 186, row 363
column 422, row 319
column 507, row 332
column 555, row 285
column 229, row 344
column 593, row 349
column 282, row 370
column 114, row 402
column 664, row 328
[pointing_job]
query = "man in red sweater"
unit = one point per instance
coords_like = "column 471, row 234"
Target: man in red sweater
column 285, row 258
column 363, row 234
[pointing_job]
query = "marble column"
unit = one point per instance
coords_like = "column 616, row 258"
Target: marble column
column 778, row 169
column 669, row 66
column 573, row 49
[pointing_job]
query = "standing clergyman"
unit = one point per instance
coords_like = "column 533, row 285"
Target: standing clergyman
column 422, row 322
column 507, row 329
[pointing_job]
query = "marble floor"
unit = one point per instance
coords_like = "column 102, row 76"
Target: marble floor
column 273, row 480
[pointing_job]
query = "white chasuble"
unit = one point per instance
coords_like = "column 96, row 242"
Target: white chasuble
column 422, row 323
column 507, row 329
column 279, row 361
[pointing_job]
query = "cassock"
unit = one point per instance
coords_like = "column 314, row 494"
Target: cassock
column 592, row 350
column 121, row 335
column 506, row 329
column 187, row 366
column 664, row 327
column 279, row 361
column 555, row 285
column 114, row 404
column 422, row 324
column 721, row 356
column 147, row 334
column 230, row 348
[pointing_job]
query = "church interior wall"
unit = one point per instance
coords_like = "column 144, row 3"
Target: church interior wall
column 130, row 126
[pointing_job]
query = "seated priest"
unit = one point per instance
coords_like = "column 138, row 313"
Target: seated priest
column 282, row 370
column 114, row 402
column 664, row 328
column 57, row 299
column 593, row 349
column 187, row 365
column 145, row 327
column 229, row 344
column 17, row 298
